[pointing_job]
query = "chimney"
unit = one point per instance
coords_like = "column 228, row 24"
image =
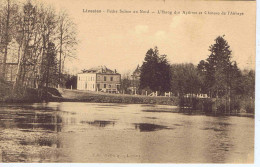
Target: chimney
column 115, row 71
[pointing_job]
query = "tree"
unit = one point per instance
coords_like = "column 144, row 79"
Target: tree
column 71, row 81
column 220, row 75
column 216, row 70
column 26, row 27
column 8, row 18
column 50, row 66
column 246, row 84
column 125, row 82
column 185, row 79
column 155, row 72
column 31, row 34
column 66, row 39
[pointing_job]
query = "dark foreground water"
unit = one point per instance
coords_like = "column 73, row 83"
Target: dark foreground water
column 90, row 132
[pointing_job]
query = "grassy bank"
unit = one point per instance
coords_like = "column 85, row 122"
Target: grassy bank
column 98, row 97
column 28, row 95
column 33, row 95
column 242, row 106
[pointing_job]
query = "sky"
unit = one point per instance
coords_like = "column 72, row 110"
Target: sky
column 120, row 41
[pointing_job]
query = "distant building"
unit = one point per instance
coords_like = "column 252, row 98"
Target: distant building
column 99, row 79
column 135, row 80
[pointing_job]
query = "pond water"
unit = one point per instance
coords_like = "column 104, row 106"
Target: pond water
column 92, row 132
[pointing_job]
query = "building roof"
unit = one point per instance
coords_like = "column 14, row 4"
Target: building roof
column 137, row 71
column 100, row 69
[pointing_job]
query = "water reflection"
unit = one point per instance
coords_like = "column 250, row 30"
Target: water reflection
column 146, row 127
column 99, row 123
column 28, row 118
column 151, row 117
column 63, row 132
column 42, row 142
column 160, row 110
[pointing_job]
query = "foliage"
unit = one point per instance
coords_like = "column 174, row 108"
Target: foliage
column 155, row 72
column 50, row 67
column 30, row 28
column 185, row 79
column 125, row 84
column 222, row 79
column 218, row 70
column 71, row 81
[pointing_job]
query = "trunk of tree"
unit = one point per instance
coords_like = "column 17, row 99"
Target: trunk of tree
column 216, row 103
column 61, row 43
column 229, row 100
column 6, row 40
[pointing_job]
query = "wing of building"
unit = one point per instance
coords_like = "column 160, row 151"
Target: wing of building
column 99, row 79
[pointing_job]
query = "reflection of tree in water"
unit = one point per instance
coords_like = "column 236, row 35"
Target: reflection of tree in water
column 45, row 121
column 146, row 127
column 220, row 144
column 28, row 119
column 50, row 141
column 100, row 123
column 34, row 135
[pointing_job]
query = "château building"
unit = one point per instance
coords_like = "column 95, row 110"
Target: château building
column 99, row 79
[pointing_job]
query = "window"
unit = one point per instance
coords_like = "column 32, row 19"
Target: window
column 109, row 86
column 105, row 78
column 111, row 78
column 105, row 85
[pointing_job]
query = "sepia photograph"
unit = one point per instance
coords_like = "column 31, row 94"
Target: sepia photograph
column 110, row 81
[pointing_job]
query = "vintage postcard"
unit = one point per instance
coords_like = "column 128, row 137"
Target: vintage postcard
column 109, row 81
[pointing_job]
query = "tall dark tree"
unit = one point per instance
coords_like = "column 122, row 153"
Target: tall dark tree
column 217, row 69
column 155, row 72
column 50, row 66
column 221, row 76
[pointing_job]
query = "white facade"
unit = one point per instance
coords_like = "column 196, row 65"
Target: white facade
column 86, row 81
column 99, row 79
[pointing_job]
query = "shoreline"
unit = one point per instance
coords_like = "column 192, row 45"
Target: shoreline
column 99, row 97
column 67, row 95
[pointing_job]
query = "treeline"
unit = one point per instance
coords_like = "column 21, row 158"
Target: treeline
column 37, row 40
column 231, row 89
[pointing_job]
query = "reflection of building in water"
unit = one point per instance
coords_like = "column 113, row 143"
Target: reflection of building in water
column 99, row 79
